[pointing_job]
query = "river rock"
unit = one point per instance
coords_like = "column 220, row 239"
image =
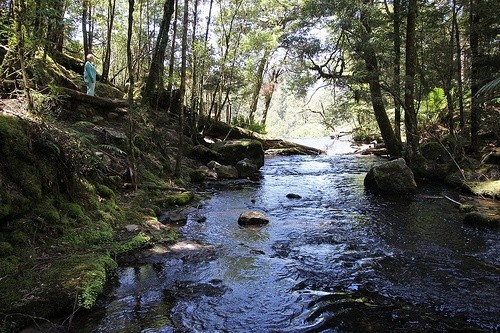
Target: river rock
column 223, row 171
column 252, row 218
column 174, row 218
column 482, row 219
column 393, row 177
column 293, row 196
column 233, row 151
column 204, row 154
column 246, row 168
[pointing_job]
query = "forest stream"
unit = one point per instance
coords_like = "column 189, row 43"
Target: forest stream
column 337, row 259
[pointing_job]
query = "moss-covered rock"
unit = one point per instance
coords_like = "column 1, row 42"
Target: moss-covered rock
column 232, row 151
column 482, row 219
column 489, row 189
column 393, row 177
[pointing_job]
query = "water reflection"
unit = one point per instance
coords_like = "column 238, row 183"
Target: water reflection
column 338, row 259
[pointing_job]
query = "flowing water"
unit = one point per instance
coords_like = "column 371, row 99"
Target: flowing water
column 338, row 259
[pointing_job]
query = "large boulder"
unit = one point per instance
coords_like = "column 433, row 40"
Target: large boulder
column 233, row 151
column 203, row 154
column 252, row 218
column 393, row 177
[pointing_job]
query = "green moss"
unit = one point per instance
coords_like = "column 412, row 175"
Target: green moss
column 105, row 191
column 19, row 237
column 488, row 188
column 48, row 213
column 138, row 241
column 97, row 233
column 5, row 249
column 82, row 275
column 9, row 265
column 179, row 199
column 73, row 210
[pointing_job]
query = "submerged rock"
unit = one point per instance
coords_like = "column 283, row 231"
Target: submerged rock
column 293, row 196
column 252, row 218
column 393, row 177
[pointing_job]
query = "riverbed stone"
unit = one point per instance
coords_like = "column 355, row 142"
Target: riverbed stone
column 393, row 177
column 223, row 171
column 482, row 219
column 173, row 218
column 251, row 218
column 246, row 168
column 233, row 151
column 203, row 154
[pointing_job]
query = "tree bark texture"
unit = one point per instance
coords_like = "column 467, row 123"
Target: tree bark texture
column 412, row 135
column 107, row 54
column 182, row 88
column 154, row 82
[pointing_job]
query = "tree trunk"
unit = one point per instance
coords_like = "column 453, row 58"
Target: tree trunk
column 397, row 69
column 155, row 78
column 170, row 83
column 55, row 28
column 107, row 54
column 86, row 47
column 258, row 85
column 193, row 110
column 460, row 93
column 449, row 78
column 19, row 14
column 373, row 78
column 384, row 124
column 475, row 113
column 182, row 88
column 269, row 92
column 131, row 127
column 412, row 135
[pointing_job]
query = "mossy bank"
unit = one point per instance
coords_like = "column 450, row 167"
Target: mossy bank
column 64, row 212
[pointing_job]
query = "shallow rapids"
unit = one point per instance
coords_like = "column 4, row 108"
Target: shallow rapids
column 337, row 259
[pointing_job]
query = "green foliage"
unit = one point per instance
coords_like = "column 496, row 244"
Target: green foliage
column 433, row 105
column 5, row 249
column 243, row 122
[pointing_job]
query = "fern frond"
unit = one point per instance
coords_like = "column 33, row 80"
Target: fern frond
column 83, row 124
column 489, row 87
column 112, row 149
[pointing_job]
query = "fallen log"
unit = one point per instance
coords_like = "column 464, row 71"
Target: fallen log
column 94, row 100
column 223, row 131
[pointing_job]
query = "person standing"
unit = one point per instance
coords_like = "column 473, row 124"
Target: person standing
column 90, row 74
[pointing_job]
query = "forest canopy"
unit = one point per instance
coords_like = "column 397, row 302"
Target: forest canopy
column 403, row 68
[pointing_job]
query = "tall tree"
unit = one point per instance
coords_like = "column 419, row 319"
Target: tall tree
column 397, row 68
column 55, row 28
column 182, row 88
column 412, row 134
column 19, row 19
column 475, row 111
column 154, row 81
column 131, row 125
column 369, row 56
column 107, row 53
